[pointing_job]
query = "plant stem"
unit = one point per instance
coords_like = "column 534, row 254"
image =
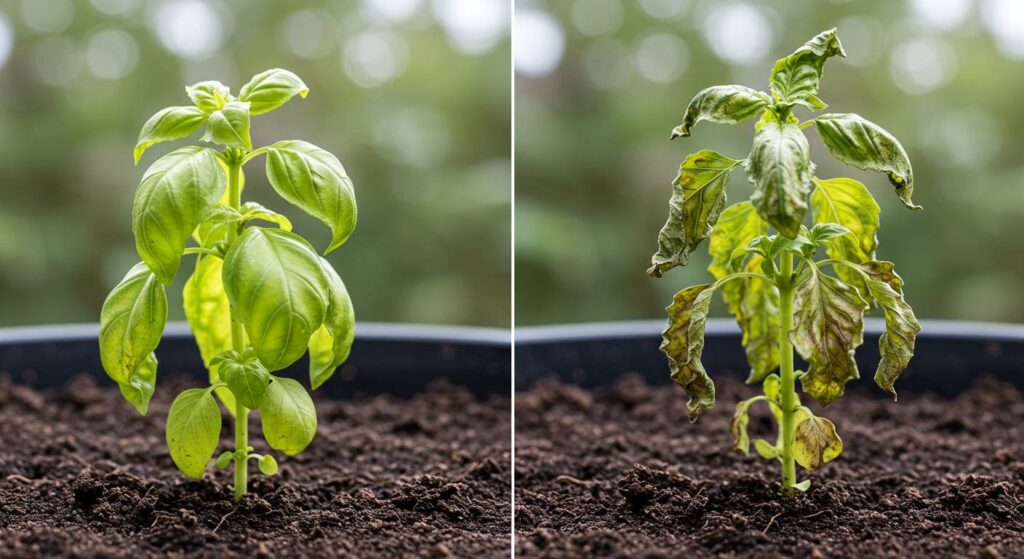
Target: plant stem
column 788, row 391
column 238, row 344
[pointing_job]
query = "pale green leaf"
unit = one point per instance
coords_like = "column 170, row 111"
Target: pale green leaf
column 683, row 342
column 277, row 287
column 865, row 145
column 815, row 442
column 723, row 104
column 767, row 450
column 848, row 203
column 229, row 126
column 245, row 376
column 208, row 96
column 780, row 169
column 193, row 431
column 253, row 211
column 171, row 123
column 331, row 343
column 131, row 323
column 176, row 193
column 269, row 90
column 287, row 416
column 796, row 78
column 315, row 181
column 267, row 465
column 209, row 315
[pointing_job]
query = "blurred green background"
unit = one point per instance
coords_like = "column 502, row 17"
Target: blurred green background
column 600, row 83
column 411, row 95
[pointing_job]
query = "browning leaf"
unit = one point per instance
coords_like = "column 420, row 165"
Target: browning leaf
column 683, row 342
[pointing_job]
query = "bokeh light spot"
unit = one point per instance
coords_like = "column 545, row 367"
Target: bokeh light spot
column 47, row 16
column 738, row 33
column 188, row 28
column 921, row 65
column 473, row 26
column 662, row 57
column 111, row 54
column 372, row 58
column 539, row 43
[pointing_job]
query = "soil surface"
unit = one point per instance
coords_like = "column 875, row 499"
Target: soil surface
column 619, row 472
column 83, row 475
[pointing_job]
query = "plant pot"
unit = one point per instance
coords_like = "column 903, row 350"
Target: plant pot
column 410, row 458
column 606, row 463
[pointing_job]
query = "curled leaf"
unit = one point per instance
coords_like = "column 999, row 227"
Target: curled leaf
column 245, row 376
column 816, row 442
column 229, row 126
column 738, row 426
column 208, row 96
column 171, row 123
column 767, row 450
column 269, row 90
column 780, row 169
column 723, row 104
column 796, row 78
column 865, row 145
column 683, row 342
column 698, row 196
column 896, row 344
column 331, row 343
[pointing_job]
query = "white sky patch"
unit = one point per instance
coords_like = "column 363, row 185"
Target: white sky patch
column 473, row 26
column 539, row 43
column 738, row 33
column 189, row 28
column 1005, row 19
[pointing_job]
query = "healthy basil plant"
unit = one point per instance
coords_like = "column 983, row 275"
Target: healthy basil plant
column 764, row 257
column 259, row 296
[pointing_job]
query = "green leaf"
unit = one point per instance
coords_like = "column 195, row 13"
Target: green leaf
column 252, row 211
column 176, row 193
column 896, row 344
column 848, row 203
column 723, row 104
column 315, row 181
column 171, row 123
column 796, row 78
column 828, row 327
column 767, row 450
column 269, row 90
column 816, row 442
column 131, row 323
column 753, row 301
column 229, row 126
column 245, row 375
column 780, row 169
column 209, row 315
column 683, row 342
column 865, row 145
column 208, row 96
column 287, row 416
column 276, row 285
column 331, row 343
column 225, row 458
column 822, row 232
column 193, row 431
column 802, row 486
column 698, row 196
column 738, row 426
column 267, row 465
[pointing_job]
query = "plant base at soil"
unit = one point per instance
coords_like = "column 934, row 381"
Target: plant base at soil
column 619, row 472
column 82, row 474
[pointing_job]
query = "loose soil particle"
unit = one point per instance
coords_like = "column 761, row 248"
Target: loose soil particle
column 619, row 472
column 83, row 475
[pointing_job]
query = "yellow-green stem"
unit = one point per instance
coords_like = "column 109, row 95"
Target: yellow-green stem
column 788, row 377
column 241, row 460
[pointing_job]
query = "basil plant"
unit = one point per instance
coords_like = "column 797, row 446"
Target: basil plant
column 765, row 257
column 258, row 297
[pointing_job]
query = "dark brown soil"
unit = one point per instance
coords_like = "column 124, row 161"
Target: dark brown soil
column 81, row 474
column 620, row 473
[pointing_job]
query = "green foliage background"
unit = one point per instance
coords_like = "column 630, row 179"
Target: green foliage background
column 594, row 166
column 428, row 151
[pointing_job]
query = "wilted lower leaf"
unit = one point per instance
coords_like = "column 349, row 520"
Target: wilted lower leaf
column 828, row 327
column 796, row 78
column 848, row 203
column 686, row 317
column 866, row 145
column 738, row 427
column 698, row 196
column 780, row 168
column 724, row 104
column 816, row 442
column 901, row 326
column 331, row 343
column 767, row 450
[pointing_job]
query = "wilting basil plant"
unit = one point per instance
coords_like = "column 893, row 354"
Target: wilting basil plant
column 258, row 298
column 763, row 257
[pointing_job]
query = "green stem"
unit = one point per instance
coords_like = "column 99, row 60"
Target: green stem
column 788, row 390
column 238, row 343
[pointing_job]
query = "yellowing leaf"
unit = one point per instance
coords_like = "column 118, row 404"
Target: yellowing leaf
column 848, row 203
column 209, row 315
column 738, row 427
column 815, row 442
column 896, row 344
column 683, row 342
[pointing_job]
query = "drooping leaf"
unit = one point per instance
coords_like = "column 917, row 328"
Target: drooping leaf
column 331, row 343
column 753, row 301
column 865, row 145
column 229, row 126
column 287, row 416
column 267, row 465
column 131, row 323
column 896, row 344
column 315, row 181
column 780, row 169
column 828, row 327
column 683, row 342
column 168, row 124
column 723, row 104
column 767, row 450
column 815, row 442
column 738, row 426
column 277, row 287
column 193, row 431
column 796, row 78
column 175, row 195
column 245, row 375
column 269, row 90
column 698, row 196
column 209, row 315
column 848, row 203
column 208, row 96
column 252, row 210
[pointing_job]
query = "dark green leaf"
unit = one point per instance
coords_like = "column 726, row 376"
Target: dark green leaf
column 796, row 78
column 780, row 168
column 229, row 126
column 698, row 196
column 865, row 145
column 269, row 90
column 193, row 431
column 330, row 344
column 287, row 416
column 171, row 123
column 724, row 104
column 683, row 342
